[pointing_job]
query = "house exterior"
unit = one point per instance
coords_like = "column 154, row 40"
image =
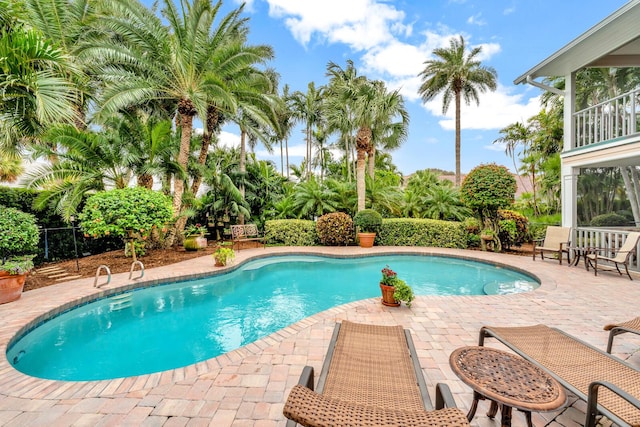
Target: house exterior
column 604, row 135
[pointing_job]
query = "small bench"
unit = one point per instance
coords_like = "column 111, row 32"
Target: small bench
column 245, row 233
column 581, row 368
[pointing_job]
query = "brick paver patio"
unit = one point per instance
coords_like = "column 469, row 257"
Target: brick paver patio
column 248, row 386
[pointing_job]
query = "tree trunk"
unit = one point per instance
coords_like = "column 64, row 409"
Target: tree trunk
column 457, row 139
column 631, row 193
column 186, row 127
column 372, row 162
column 286, row 146
column 363, row 143
column 212, row 123
column 243, row 167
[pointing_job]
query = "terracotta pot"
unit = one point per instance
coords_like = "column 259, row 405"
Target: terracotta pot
column 387, row 296
column 366, row 239
column 11, row 286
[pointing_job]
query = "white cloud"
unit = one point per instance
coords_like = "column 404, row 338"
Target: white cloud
column 476, row 20
column 294, row 151
column 228, row 139
column 248, row 4
column 361, row 24
column 496, row 110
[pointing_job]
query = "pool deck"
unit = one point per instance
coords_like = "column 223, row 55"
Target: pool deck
column 248, row 386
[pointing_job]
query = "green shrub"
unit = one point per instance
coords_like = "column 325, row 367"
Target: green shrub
column 291, row 232
column 422, row 232
column 129, row 213
column 19, row 236
column 513, row 236
column 367, row 221
column 486, row 189
column 608, row 220
column 472, row 225
column 335, row 229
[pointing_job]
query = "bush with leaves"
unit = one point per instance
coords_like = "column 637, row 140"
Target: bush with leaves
column 290, row 232
column 367, row 221
column 608, row 220
column 335, row 229
column 422, row 232
column 485, row 190
column 129, row 213
column 19, row 236
column 509, row 236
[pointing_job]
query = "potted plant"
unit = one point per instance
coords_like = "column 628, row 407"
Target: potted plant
column 368, row 223
column 194, row 237
column 19, row 238
column 394, row 290
column 223, row 255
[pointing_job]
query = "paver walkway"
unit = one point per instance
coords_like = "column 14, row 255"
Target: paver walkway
column 248, row 386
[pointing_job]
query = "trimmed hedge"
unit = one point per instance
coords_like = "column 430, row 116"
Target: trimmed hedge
column 422, row 232
column 291, row 232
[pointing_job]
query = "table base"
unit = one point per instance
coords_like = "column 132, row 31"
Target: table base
column 505, row 411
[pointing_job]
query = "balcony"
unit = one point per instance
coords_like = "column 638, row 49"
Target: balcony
column 613, row 119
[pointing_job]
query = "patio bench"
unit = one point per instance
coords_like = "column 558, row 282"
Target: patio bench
column 245, row 233
column 581, row 368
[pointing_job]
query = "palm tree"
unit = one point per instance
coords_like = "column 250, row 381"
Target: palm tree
column 35, row 83
column 308, row 108
column 148, row 61
column 456, row 74
column 88, row 161
column 312, row 199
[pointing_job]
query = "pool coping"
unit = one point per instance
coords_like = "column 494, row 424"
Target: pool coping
column 16, row 384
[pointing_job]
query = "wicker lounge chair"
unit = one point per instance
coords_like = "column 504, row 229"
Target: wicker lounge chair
column 632, row 326
column 556, row 240
column 622, row 256
column 370, row 377
column 580, row 368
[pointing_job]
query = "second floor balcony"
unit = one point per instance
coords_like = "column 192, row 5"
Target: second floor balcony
column 614, row 119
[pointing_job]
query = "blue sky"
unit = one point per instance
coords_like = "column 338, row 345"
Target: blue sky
column 390, row 40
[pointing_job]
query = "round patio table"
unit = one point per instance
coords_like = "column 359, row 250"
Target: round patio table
column 508, row 381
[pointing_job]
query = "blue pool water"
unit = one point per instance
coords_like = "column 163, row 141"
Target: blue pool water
column 173, row 325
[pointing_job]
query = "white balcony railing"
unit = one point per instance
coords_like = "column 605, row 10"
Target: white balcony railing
column 616, row 118
column 607, row 240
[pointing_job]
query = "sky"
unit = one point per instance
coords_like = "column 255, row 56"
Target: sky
column 390, row 40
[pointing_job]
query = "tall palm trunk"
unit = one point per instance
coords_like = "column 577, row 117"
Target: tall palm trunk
column 212, row 124
column 243, row 167
column 286, row 146
column 363, row 142
column 458, row 138
column 371, row 158
column 186, row 127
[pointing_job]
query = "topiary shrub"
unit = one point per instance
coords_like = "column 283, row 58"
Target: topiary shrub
column 290, row 232
column 335, row 229
column 129, row 213
column 608, row 220
column 19, row 237
column 367, row 221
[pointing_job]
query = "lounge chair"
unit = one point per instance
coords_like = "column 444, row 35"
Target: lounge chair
column 580, row 368
column 370, row 377
column 632, row 326
column 622, row 256
column 556, row 240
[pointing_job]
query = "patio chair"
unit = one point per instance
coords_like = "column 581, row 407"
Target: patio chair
column 610, row 386
column 614, row 329
column 556, row 240
column 370, row 377
column 622, row 256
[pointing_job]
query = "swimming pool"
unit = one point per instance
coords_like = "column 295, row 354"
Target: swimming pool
column 173, row 325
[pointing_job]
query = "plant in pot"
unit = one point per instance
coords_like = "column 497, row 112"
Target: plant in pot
column 394, row 290
column 194, row 237
column 368, row 223
column 19, row 238
column 223, row 255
